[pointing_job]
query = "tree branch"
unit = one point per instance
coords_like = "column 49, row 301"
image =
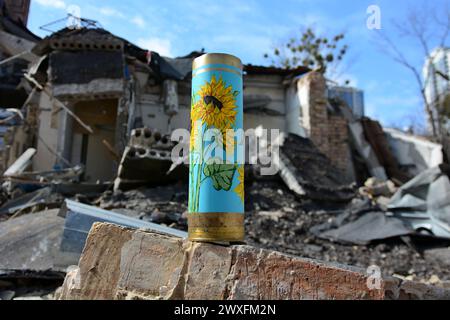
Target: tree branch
column 400, row 58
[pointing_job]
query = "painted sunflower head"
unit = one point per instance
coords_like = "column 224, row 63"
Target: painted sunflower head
column 217, row 104
column 239, row 190
column 196, row 127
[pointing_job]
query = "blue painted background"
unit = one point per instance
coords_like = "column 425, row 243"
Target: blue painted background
column 212, row 200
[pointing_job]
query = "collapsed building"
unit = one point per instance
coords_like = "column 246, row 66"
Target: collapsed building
column 113, row 87
column 16, row 42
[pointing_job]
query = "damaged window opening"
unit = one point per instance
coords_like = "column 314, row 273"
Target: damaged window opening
column 84, row 148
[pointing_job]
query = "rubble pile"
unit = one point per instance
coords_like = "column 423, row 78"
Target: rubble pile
column 164, row 205
column 313, row 170
column 277, row 220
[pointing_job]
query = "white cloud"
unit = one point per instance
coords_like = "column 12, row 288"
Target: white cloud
column 139, row 21
column 58, row 4
column 111, row 12
column 162, row 46
column 114, row 13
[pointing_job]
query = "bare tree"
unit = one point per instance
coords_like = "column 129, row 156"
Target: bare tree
column 425, row 26
column 321, row 53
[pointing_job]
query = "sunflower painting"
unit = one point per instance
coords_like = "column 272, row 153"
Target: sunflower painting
column 217, row 104
column 213, row 106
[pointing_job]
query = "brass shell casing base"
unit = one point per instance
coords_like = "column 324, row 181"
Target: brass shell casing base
column 216, row 227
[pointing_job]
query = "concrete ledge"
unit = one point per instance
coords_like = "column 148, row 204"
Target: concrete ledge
column 121, row 263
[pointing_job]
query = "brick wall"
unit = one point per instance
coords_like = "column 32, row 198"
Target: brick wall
column 121, row 263
column 328, row 131
column 338, row 148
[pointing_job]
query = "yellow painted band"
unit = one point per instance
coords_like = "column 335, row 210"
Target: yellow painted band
column 216, row 69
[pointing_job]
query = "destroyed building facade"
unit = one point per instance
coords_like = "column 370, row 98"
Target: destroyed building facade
column 16, row 42
column 93, row 99
column 95, row 88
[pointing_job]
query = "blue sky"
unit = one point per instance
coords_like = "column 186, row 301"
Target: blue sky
column 250, row 28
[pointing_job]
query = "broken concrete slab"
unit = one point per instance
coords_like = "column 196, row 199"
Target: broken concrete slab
column 365, row 150
column 147, row 160
column 21, row 163
column 120, row 263
column 52, row 176
column 309, row 173
column 16, row 45
column 413, row 153
column 373, row 132
column 30, row 242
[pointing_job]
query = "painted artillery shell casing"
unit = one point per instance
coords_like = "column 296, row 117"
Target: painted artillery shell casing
column 216, row 173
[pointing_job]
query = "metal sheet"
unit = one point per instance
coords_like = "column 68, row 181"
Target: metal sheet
column 79, row 220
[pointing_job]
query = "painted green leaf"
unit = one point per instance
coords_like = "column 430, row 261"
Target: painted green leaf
column 220, row 174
